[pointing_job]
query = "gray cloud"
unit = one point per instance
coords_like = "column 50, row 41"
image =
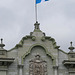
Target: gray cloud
column 56, row 17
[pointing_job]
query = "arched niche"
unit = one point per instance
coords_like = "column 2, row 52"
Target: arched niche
column 45, row 55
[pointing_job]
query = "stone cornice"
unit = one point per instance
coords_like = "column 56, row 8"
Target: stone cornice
column 6, row 61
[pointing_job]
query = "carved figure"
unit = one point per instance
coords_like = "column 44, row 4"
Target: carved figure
column 37, row 66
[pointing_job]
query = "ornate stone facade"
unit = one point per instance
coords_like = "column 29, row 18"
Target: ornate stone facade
column 24, row 60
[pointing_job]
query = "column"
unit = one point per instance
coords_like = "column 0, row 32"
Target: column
column 20, row 69
column 55, row 70
column 20, row 66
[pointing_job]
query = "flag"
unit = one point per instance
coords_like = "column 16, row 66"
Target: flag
column 40, row 1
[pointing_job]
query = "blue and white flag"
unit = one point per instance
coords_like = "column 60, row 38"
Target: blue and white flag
column 40, row 1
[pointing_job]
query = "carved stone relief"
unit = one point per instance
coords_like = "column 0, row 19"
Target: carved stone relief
column 37, row 66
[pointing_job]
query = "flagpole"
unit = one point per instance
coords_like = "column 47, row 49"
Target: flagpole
column 35, row 11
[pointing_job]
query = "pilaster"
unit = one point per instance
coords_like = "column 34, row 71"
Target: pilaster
column 20, row 66
column 55, row 70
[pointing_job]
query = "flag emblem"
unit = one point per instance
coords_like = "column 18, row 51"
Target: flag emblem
column 40, row 1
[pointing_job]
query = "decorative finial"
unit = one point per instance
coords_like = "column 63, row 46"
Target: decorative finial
column 36, row 25
column 71, row 47
column 2, row 45
column 71, row 43
column 1, row 41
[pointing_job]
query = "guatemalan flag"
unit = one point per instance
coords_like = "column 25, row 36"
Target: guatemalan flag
column 40, row 1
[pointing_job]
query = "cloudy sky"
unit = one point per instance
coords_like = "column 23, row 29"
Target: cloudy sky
column 56, row 18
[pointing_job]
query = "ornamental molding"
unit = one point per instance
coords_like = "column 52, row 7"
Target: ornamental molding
column 46, row 50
